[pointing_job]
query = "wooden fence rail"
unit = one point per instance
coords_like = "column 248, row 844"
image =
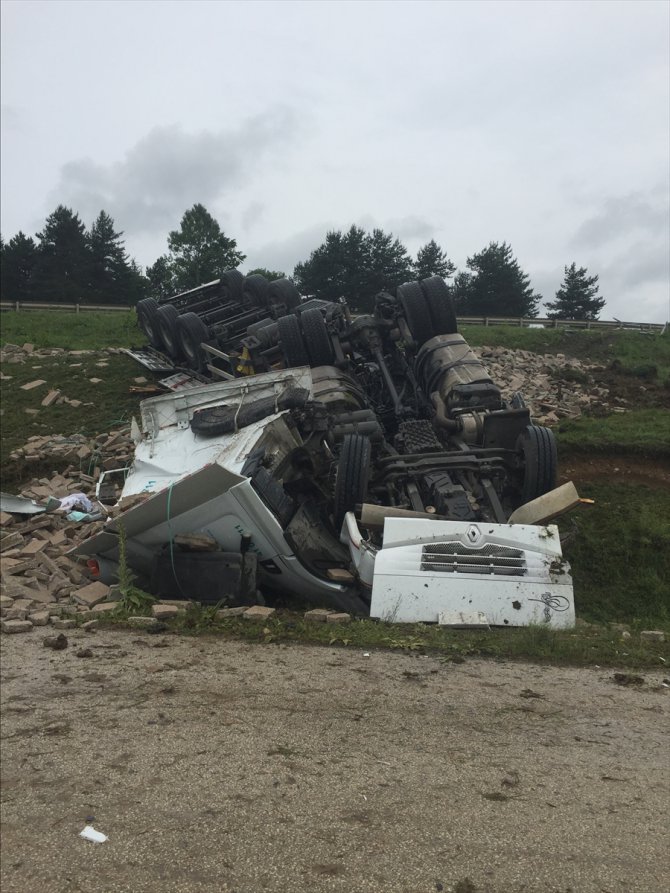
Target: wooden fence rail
column 519, row 322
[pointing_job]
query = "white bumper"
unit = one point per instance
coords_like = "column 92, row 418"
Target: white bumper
column 453, row 572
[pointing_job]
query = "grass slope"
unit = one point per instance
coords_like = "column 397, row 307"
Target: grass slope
column 618, row 549
column 73, row 331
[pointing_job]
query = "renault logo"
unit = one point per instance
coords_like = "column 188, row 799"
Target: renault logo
column 473, row 534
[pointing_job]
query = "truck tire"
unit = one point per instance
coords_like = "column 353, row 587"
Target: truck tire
column 292, row 344
column 537, row 446
column 192, row 331
column 167, row 317
column 417, row 314
column 255, row 327
column 440, row 305
column 255, row 291
column 231, row 285
column 283, row 296
column 351, row 480
column 317, row 338
column 147, row 310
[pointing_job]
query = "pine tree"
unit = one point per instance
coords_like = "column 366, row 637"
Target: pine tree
column 577, row 298
column 111, row 273
column 389, row 266
column 431, row 260
column 63, row 268
column 199, row 251
column 17, row 268
column 497, row 285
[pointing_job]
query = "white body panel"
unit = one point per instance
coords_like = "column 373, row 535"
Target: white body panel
column 417, row 578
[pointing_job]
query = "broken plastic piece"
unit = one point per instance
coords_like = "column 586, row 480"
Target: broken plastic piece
column 89, row 833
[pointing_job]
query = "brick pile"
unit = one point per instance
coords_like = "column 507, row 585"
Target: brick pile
column 554, row 386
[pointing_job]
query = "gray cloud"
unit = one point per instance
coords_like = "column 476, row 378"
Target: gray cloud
column 252, row 214
column 169, row 170
column 621, row 216
column 411, row 227
column 284, row 254
column 13, row 118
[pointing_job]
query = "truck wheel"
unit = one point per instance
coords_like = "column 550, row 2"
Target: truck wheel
column 255, row 291
column 231, row 283
column 537, row 446
column 167, row 317
column 416, row 311
column 192, row 331
column 351, row 481
column 292, row 344
column 147, row 310
column 283, row 295
column 440, row 305
column 317, row 338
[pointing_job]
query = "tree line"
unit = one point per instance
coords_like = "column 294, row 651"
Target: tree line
column 68, row 263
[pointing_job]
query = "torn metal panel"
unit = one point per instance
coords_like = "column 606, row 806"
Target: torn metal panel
column 19, row 505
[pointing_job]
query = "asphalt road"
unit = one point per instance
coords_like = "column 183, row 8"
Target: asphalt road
column 219, row 766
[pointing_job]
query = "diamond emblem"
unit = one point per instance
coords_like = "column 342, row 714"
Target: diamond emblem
column 473, row 534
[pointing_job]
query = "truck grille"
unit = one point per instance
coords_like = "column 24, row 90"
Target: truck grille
column 455, row 558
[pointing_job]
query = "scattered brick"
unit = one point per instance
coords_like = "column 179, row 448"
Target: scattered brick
column 91, row 595
column 6, row 520
column 33, row 547
column 317, row 615
column 338, row 618
column 32, row 384
column 652, row 635
column 16, row 626
column 39, row 618
column 10, row 540
column 164, row 612
column 142, row 622
column 103, row 608
column 231, row 612
column 50, row 398
column 58, row 623
column 258, row 612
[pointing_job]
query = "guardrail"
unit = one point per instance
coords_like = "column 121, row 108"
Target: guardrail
column 72, row 308
column 537, row 322
column 517, row 321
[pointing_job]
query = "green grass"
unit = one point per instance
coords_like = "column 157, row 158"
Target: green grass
column 587, row 645
column 644, row 433
column 629, row 351
column 619, row 550
column 73, row 331
column 104, row 406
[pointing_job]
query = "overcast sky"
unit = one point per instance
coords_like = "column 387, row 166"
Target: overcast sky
column 543, row 124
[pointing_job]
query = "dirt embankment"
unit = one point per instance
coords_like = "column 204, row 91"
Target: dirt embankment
column 615, row 469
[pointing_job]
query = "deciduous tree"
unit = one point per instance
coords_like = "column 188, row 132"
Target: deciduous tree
column 355, row 265
column 199, row 251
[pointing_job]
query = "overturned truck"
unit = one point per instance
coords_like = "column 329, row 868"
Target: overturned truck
column 365, row 464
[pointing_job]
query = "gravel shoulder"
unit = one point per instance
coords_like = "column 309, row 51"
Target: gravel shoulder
column 219, row 766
